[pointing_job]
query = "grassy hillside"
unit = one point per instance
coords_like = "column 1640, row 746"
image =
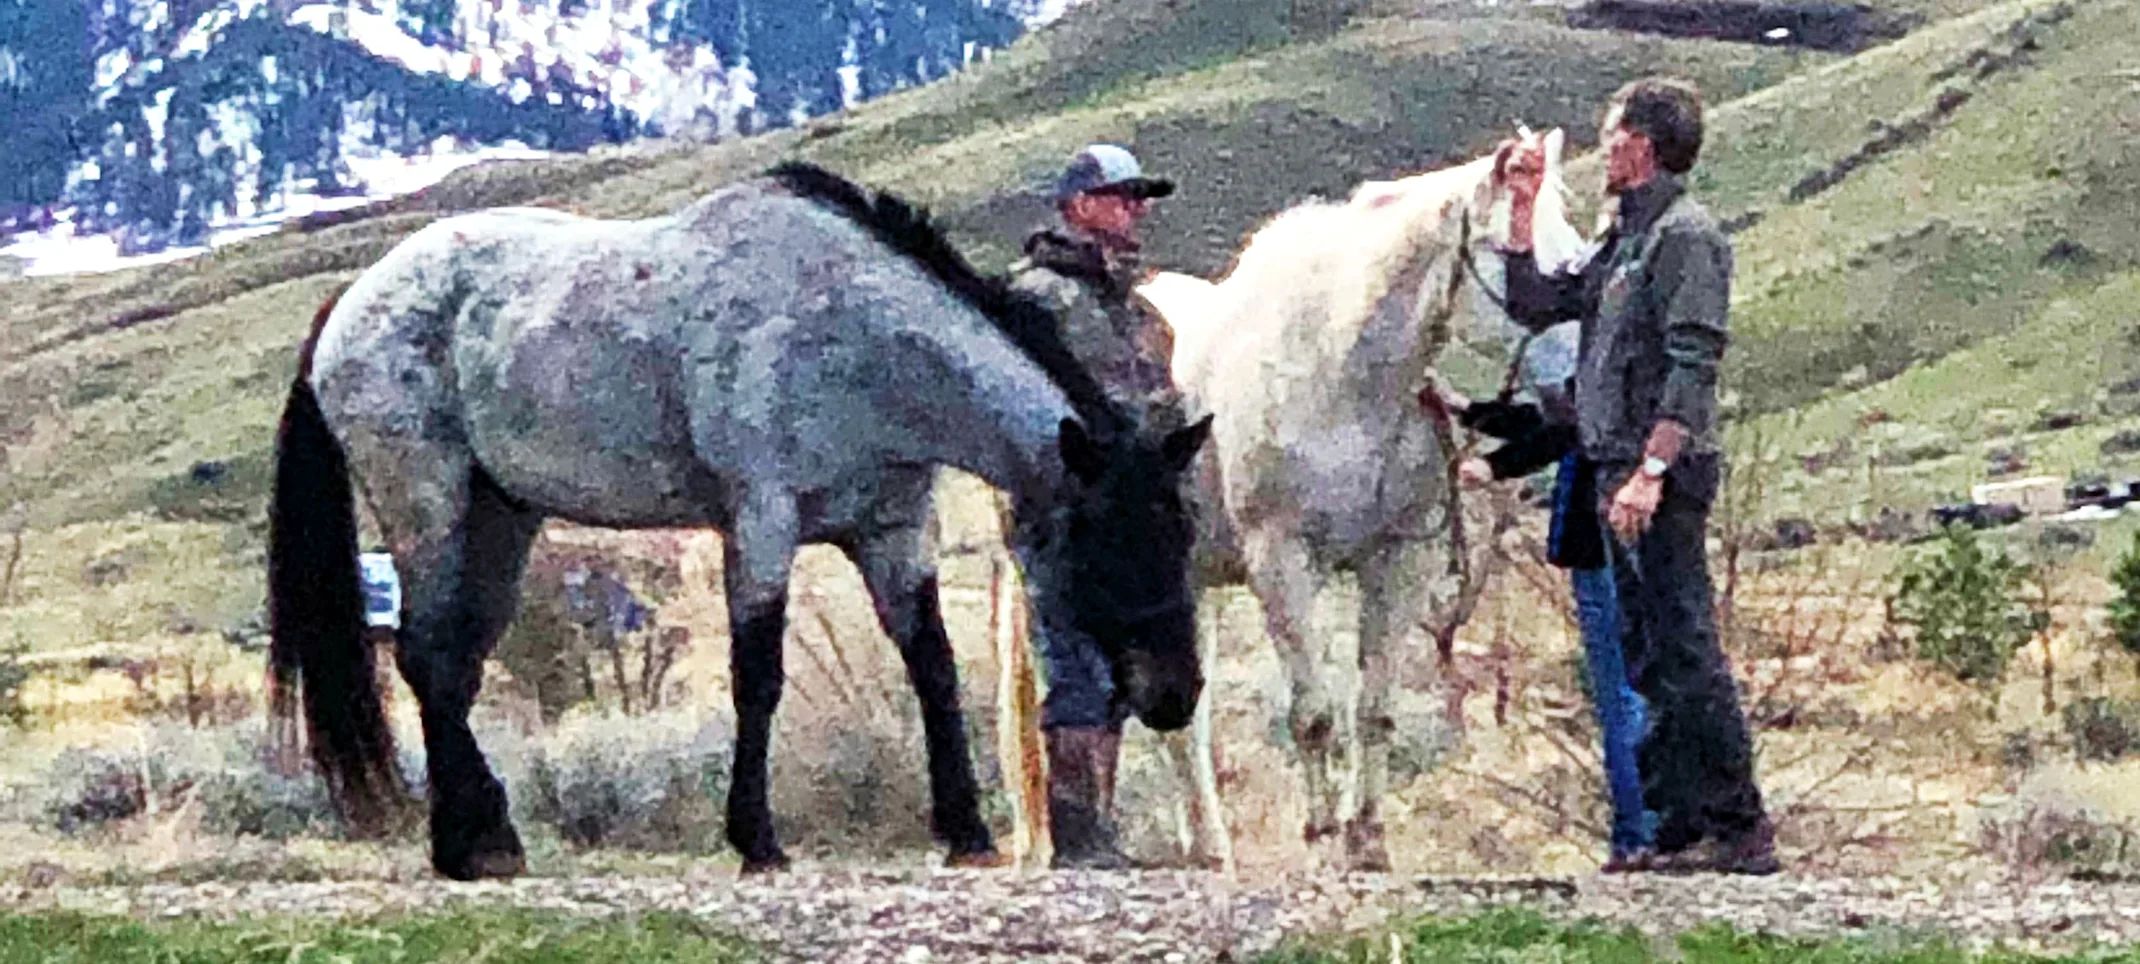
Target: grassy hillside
column 1964, row 228
column 119, row 407
column 2056, row 391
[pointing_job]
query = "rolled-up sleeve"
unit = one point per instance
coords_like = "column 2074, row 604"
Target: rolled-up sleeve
column 1694, row 267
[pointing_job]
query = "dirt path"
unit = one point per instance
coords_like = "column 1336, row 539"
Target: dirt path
column 1168, row 918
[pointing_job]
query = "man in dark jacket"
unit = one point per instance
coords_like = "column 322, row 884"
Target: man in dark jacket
column 1085, row 266
column 1653, row 302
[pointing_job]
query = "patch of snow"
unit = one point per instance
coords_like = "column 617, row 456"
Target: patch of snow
column 60, row 251
column 112, row 66
column 55, row 253
column 199, row 37
column 157, row 114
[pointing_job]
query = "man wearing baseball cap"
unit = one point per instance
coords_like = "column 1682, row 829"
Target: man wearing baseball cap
column 1085, row 266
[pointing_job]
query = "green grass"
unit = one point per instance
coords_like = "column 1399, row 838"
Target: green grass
column 496, row 937
column 1514, row 936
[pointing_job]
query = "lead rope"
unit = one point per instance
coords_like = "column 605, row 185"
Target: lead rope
column 1445, row 431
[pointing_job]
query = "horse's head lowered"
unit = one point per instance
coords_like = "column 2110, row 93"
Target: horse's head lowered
column 1109, row 538
column 1127, row 537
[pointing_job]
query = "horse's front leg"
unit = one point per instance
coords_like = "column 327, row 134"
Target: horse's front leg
column 1392, row 589
column 902, row 581
column 1282, row 575
column 757, row 558
column 1193, row 753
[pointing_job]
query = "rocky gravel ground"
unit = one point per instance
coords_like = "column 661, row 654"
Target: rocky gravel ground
column 1171, row 917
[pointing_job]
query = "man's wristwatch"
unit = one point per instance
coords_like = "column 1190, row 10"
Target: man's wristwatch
column 1653, row 467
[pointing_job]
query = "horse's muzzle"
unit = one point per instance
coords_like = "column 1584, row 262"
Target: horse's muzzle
column 1161, row 703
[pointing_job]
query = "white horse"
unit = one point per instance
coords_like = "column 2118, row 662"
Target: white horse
column 1309, row 355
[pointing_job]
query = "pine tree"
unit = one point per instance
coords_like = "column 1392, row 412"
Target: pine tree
column 45, row 88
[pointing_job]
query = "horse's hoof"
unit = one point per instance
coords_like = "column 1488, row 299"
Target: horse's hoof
column 977, row 860
column 494, row 855
column 489, row 865
column 499, row 864
column 766, row 865
column 1365, row 851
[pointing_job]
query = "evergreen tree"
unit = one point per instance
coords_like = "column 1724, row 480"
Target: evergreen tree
column 45, row 85
column 795, row 49
column 430, row 21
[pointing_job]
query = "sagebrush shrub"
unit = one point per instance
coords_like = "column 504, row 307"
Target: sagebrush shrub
column 222, row 769
column 2102, row 728
column 637, row 783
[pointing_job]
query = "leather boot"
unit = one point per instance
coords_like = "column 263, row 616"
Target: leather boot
column 1081, row 763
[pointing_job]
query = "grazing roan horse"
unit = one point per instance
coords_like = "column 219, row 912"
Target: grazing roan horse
column 1310, row 353
column 788, row 360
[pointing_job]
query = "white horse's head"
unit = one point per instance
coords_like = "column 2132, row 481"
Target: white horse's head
column 1407, row 264
column 1463, row 214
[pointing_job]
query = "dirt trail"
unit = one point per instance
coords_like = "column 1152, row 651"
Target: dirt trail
column 1168, row 917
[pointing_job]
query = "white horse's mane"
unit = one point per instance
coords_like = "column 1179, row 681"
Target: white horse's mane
column 1357, row 249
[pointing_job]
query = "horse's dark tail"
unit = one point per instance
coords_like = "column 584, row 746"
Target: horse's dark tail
column 316, row 617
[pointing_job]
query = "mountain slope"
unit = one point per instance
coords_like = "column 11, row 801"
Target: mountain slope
column 1923, row 437
column 1919, row 197
column 155, row 128
column 1246, row 135
column 1379, row 98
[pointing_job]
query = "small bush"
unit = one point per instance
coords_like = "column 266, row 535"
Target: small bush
column 223, row 770
column 2125, row 603
column 90, row 789
column 2102, row 728
column 651, row 783
column 2123, row 442
column 1966, row 606
column 2053, row 837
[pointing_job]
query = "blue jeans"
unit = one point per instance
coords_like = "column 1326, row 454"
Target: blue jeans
column 1622, row 714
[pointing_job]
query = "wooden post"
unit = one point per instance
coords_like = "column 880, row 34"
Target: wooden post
column 1018, row 742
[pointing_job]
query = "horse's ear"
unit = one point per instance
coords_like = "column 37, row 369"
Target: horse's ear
column 1081, row 455
column 1182, row 444
column 1554, row 139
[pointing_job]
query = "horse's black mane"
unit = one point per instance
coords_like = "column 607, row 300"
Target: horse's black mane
column 908, row 230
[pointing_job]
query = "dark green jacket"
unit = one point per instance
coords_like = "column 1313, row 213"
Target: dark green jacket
column 1654, row 304
column 1113, row 330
